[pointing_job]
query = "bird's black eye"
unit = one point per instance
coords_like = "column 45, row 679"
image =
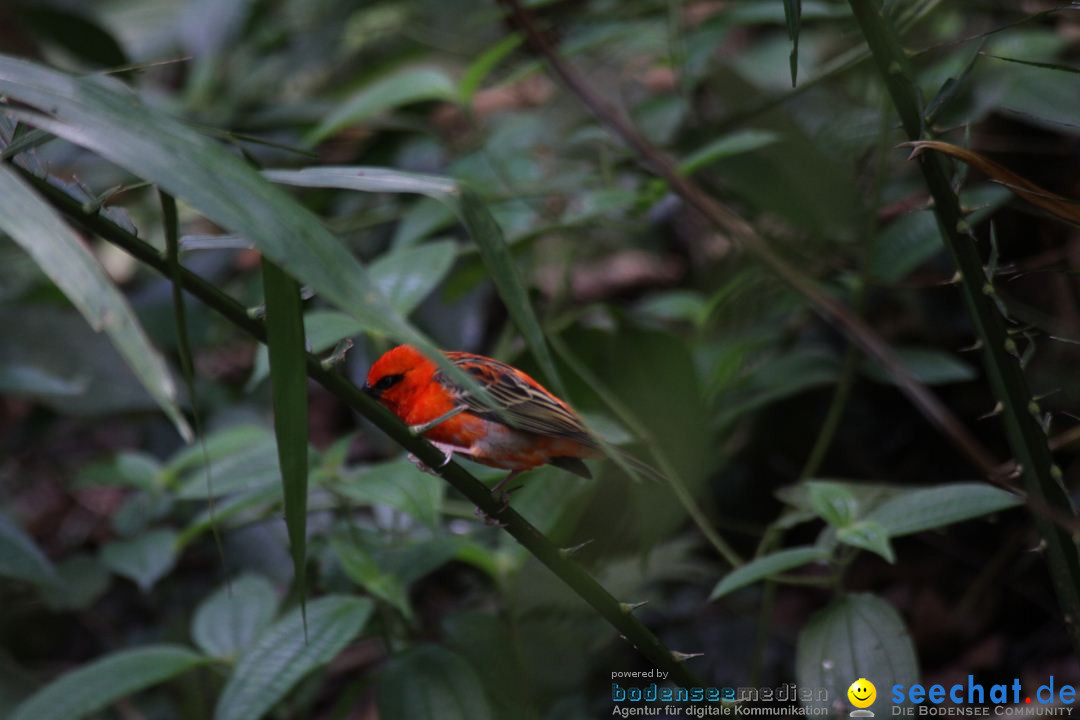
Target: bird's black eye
column 388, row 381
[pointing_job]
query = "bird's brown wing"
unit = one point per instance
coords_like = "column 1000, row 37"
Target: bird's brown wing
column 525, row 404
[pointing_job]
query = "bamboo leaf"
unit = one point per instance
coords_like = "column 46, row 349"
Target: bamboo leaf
column 102, row 115
column 1061, row 207
column 288, row 382
column 61, row 255
column 401, row 87
column 281, row 656
column 95, row 686
column 793, row 18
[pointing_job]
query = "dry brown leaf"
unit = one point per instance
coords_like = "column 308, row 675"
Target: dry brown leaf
column 1062, row 207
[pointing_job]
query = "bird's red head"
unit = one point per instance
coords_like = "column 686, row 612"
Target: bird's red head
column 396, row 376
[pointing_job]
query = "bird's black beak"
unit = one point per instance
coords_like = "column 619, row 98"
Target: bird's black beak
column 370, row 391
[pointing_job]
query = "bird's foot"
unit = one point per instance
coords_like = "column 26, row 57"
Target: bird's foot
column 424, row 467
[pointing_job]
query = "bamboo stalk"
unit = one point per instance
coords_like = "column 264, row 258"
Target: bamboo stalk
column 1020, row 411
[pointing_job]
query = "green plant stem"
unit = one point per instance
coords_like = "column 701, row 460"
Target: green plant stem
column 569, row 571
column 1041, row 478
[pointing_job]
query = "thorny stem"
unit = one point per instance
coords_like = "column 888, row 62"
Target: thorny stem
column 569, row 571
column 1020, row 412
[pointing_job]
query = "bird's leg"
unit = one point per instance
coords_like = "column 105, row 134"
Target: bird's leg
column 424, row 427
column 502, row 497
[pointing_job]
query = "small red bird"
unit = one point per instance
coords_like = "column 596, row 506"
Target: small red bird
column 533, row 428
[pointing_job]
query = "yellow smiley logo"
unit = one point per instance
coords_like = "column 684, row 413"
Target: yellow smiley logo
column 862, row 693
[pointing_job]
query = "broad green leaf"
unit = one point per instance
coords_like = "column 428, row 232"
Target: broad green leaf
column 20, row 558
column 227, row 622
column 742, row 141
column 913, row 511
column 408, row 275
column 217, row 445
column 766, row 566
column 244, row 468
column 93, row 687
column 867, row 535
column 144, row 559
column 281, row 656
column 927, row 365
column 61, row 254
column 428, row 682
column 401, row 87
column 833, row 503
column 777, row 378
column 364, row 570
column 423, row 217
column 288, row 381
column 398, row 484
column 856, row 636
column 482, row 66
column 125, row 469
column 82, row 579
column 102, row 115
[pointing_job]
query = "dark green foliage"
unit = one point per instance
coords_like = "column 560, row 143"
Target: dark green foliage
column 408, row 171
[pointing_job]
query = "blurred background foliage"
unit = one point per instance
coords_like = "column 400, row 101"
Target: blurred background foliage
column 116, row 598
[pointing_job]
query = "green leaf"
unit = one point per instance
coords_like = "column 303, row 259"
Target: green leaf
column 399, row 484
column 766, row 566
column 856, row 636
column 793, row 17
column 93, row 687
column 867, row 535
column 244, row 468
column 32, row 223
column 913, row 511
column 834, row 503
column 408, row 275
column 281, row 656
column 428, row 682
column 20, row 558
column 216, row 446
column 927, row 365
column 82, row 580
column 104, row 116
column 288, row 381
column 126, row 469
column 482, row 66
column 144, row 559
column 227, row 622
column 367, row 179
column 742, row 141
column 401, row 87
column 496, row 254
column 363, row 569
